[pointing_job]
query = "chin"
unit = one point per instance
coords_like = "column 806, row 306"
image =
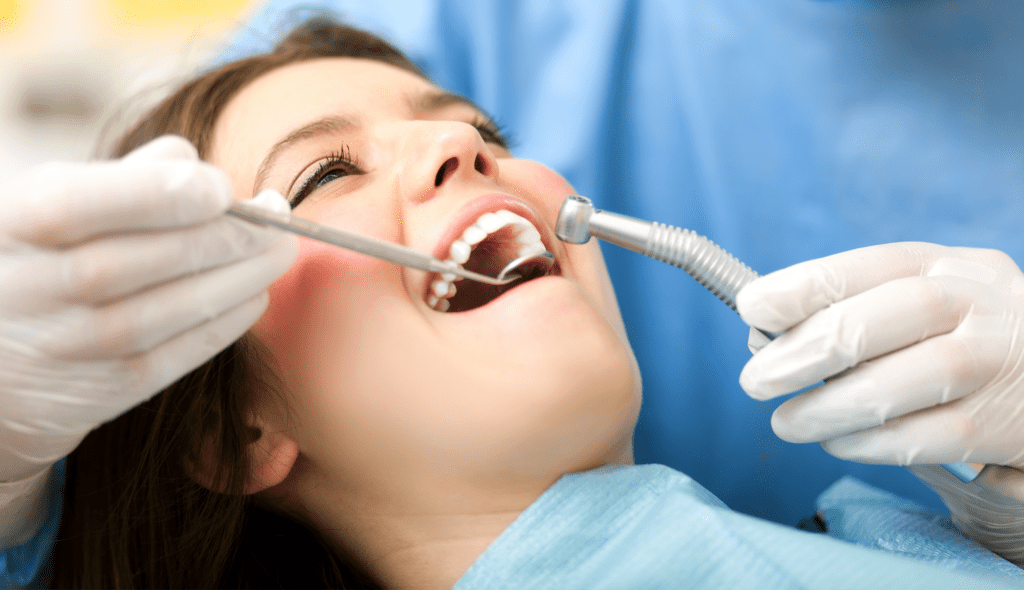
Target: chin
column 578, row 406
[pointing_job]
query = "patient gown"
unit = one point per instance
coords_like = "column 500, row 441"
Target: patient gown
column 652, row 527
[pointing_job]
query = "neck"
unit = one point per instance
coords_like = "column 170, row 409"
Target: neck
column 426, row 538
column 420, row 555
column 425, row 532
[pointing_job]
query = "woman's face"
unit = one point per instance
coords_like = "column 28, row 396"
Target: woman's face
column 380, row 383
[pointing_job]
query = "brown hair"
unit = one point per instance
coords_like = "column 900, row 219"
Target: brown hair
column 133, row 517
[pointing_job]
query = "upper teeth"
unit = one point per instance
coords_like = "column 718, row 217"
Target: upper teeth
column 527, row 237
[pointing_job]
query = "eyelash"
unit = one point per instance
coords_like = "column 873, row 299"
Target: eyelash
column 336, row 162
column 342, row 161
column 491, row 132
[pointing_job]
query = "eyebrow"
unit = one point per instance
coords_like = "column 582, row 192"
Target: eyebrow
column 324, row 126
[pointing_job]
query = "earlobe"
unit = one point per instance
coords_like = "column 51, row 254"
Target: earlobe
column 271, row 458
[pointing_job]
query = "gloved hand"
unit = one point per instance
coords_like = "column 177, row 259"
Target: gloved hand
column 922, row 347
column 116, row 279
column 935, row 339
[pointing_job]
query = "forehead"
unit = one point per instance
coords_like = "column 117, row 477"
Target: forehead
column 294, row 95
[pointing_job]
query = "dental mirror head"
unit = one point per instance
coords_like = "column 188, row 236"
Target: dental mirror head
column 528, row 267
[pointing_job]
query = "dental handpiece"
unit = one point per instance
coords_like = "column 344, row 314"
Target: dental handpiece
column 714, row 268
column 708, row 263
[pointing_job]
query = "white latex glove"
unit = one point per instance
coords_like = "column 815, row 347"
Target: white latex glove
column 937, row 338
column 931, row 340
column 116, row 279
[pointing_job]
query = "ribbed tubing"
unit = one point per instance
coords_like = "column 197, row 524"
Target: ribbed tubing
column 713, row 267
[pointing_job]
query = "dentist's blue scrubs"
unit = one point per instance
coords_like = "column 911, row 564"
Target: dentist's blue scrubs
column 783, row 130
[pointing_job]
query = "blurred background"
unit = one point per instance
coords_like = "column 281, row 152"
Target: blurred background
column 74, row 71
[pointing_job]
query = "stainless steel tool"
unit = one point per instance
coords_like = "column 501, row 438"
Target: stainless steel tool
column 714, row 268
column 381, row 249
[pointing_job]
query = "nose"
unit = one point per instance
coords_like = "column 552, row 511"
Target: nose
column 440, row 153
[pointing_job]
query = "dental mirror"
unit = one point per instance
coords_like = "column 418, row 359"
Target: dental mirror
column 536, row 264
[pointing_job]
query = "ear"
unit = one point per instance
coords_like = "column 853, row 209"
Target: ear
column 272, row 454
column 271, row 458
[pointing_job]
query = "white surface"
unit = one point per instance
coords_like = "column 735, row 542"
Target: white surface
column 919, row 346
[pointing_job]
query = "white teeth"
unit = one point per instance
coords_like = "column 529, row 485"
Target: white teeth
column 527, row 237
column 490, row 222
column 508, row 216
column 459, row 252
column 534, row 249
column 440, row 288
column 473, row 235
column 440, row 292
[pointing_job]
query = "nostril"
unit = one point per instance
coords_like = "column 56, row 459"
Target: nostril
column 480, row 165
column 445, row 171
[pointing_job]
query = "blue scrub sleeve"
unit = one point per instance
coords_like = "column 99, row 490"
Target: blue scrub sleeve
column 30, row 565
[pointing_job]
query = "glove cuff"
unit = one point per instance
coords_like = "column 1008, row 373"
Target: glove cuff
column 988, row 510
column 23, row 508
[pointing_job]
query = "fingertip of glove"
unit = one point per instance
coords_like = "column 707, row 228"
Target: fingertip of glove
column 792, row 423
column 751, row 383
column 782, row 428
column 213, row 189
column 271, row 200
column 753, row 306
column 191, row 190
column 777, row 302
column 761, row 380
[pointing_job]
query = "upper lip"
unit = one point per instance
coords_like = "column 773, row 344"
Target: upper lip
column 488, row 203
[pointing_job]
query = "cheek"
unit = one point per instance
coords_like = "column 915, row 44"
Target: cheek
column 325, row 281
column 546, row 187
column 291, row 295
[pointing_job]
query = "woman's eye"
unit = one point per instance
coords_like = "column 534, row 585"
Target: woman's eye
column 329, row 176
column 334, row 167
column 491, row 133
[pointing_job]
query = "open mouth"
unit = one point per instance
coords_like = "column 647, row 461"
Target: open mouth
column 486, row 247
